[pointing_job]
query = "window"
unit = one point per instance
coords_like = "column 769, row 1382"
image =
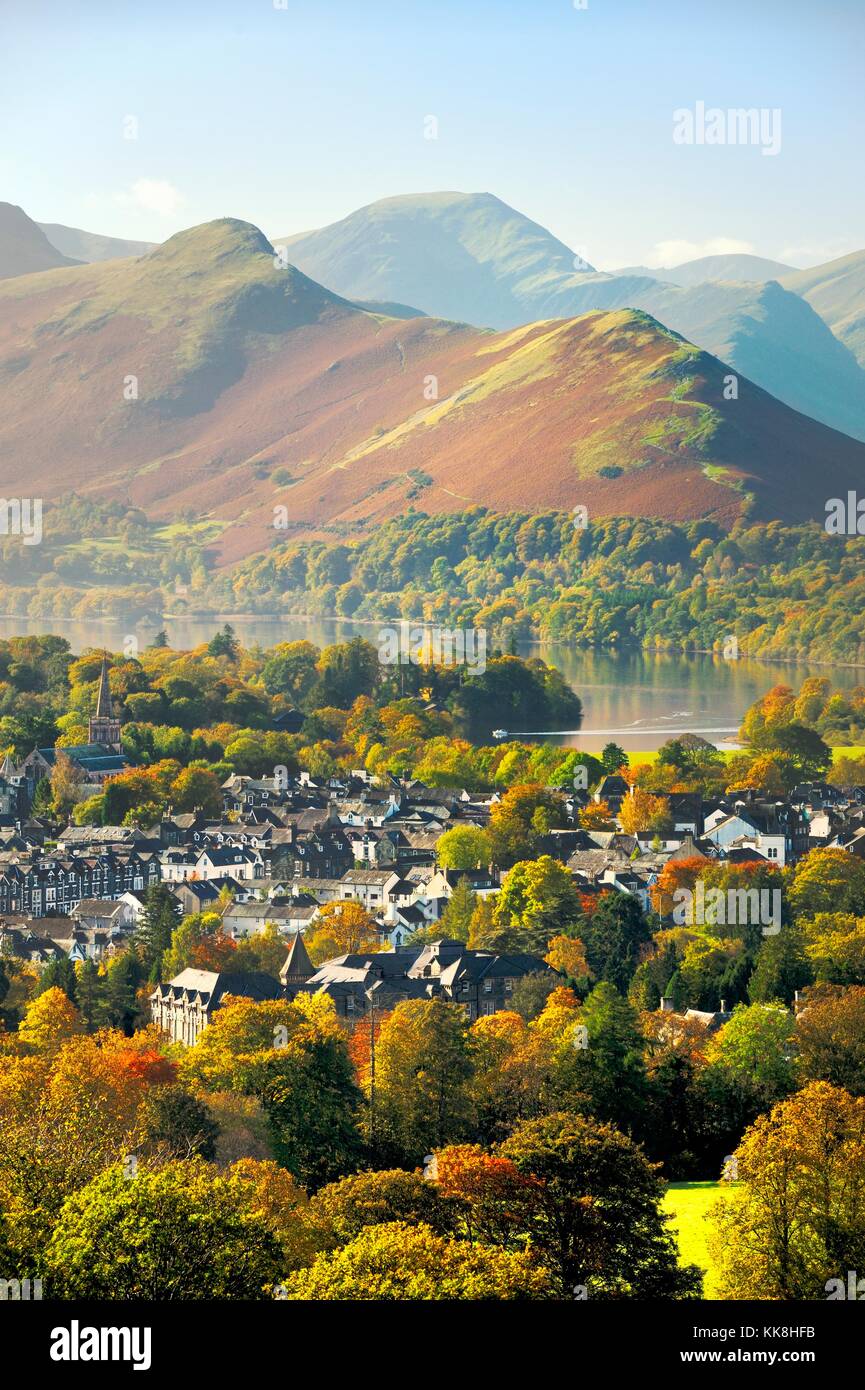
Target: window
column 488, row 986
column 489, row 1007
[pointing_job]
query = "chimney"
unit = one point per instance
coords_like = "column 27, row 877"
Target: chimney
column 666, row 1004
column 723, row 1008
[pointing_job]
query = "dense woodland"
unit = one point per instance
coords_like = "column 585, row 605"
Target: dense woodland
column 782, row 591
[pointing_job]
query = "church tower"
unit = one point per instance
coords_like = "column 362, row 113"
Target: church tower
column 104, row 728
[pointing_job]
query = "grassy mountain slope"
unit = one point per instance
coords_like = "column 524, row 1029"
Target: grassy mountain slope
column 257, row 388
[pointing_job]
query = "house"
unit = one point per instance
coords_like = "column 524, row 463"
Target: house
column 178, row 865
column 14, row 800
column 288, row 721
column 708, row 1019
column 613, row 789
column 84, row 942
column 184, row 1006
column 482, row 982
column 371, row 887
column 111, row 915
column 777, row 831
column 22, row 939
column 247, row 919
column 200, row 895
column 324, row 852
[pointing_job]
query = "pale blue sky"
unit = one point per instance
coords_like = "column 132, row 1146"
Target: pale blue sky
column 293, row 117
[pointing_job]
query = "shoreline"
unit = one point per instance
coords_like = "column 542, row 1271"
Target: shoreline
column 550, row 642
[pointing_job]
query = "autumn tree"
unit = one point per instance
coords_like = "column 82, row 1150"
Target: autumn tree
column 835, row 944
column 508, row 1074
column 340, row 1211
column 423, row 1069
column 464, row 847
column 538, row 900
column 748, row 1067
column 398, row 1261
column 67, row 780
column 525, row 814
column 342, row 928
column 595, row 1213
column 567, row 955
column 174, row 1232
column 797, row 1217
column 197, row 788
column 199, row 942
column 264, row 950
column 172, row 1122
column 827, row 880
column 597, row 815
column 66, row 1113
column 293, row 1058
column 830, row 1037
column 49, row 1022
column 641, row 813
column 493, row 1198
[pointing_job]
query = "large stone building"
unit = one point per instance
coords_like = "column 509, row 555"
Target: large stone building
column 184, row 1007
column 481, row 982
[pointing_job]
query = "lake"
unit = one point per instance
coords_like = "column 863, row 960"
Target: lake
column 638, row 698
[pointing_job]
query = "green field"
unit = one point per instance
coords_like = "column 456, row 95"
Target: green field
column 855, row 750
column 687, row 1203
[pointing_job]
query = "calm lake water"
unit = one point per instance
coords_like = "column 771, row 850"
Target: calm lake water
column 639, row 698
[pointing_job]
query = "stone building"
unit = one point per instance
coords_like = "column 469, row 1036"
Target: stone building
column 184, row 1006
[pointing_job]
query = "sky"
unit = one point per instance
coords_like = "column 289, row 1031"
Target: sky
column 136, row 118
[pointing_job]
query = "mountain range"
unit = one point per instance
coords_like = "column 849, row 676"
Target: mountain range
column 208, row 377
column 471, row 257
column 736, row 266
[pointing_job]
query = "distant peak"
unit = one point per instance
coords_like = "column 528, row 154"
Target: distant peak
column 225, row 236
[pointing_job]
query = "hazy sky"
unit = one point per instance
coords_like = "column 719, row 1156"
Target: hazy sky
column 293, row 117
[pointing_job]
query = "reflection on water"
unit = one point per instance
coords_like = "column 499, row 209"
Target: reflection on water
column 645, row 697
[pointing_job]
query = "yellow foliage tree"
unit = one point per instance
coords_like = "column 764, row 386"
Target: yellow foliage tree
column 50, row 1020
column 342, row 928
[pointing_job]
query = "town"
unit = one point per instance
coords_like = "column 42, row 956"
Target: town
column 348, row 938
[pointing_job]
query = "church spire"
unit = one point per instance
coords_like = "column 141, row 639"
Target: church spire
column 297, row 967
column 103, row 699
column 104, row 727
